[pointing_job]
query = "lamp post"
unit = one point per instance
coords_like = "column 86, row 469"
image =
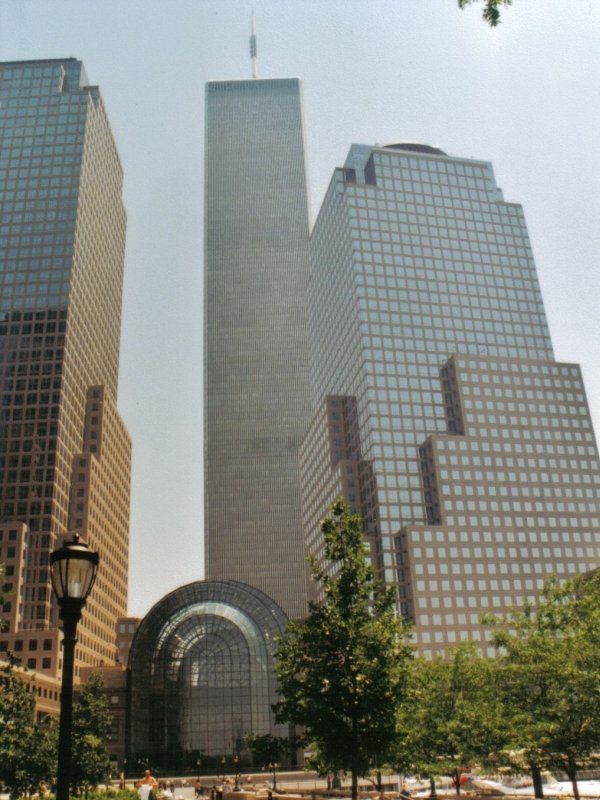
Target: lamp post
column 222, row 768
column 73, row 570
column 236, row 786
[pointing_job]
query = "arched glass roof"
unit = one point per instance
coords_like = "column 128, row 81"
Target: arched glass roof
column 201, row 677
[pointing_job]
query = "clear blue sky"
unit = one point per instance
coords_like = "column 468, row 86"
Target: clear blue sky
column 524, row 96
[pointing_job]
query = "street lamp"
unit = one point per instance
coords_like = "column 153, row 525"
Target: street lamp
column 222, row 769
column 73, row 570
column 236, row 787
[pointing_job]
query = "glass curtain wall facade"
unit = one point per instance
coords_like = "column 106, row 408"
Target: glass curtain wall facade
column 201, row 677
column 256, row 356
column 416, row 257
column 64, row 451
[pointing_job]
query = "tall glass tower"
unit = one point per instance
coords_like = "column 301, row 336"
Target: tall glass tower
column 256, row 364
column 64, row 451
column 438, row 408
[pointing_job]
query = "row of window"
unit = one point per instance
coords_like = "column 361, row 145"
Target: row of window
column 18, row 645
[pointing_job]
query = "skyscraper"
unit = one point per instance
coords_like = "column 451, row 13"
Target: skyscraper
column 438, row 408
column 64, row 452
column 256, row 365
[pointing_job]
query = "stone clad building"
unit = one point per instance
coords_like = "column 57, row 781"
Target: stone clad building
column 65, row 454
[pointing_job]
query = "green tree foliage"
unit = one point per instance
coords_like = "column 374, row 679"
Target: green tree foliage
column 27, row 749
column 454, row 715
column 91, row 727
column 491, row 9
column 343, row 671
column 551, row 660
column 268, row 749
column 43, row 755
column 270, row 752
column 16, row 721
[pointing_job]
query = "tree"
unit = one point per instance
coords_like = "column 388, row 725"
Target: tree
column 551, row 657
column 454, row 717
column 91, row 727
column 22, row 765
column 42, row 761
column 269, row 751
column 16, row 720
column 342, row 672
column 491, row 9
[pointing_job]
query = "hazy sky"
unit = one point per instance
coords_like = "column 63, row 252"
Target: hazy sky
column 524, row 96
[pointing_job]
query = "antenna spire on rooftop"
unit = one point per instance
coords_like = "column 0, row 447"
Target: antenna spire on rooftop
column 252, row 45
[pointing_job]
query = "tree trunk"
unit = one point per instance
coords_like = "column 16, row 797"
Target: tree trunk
column 538, row 786
column 354, row 785
column 572, row 774
column 457, row 780
column 355, row 747
column 432, row 791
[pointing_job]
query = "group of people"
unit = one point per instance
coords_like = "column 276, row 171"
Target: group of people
column 148, row 789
